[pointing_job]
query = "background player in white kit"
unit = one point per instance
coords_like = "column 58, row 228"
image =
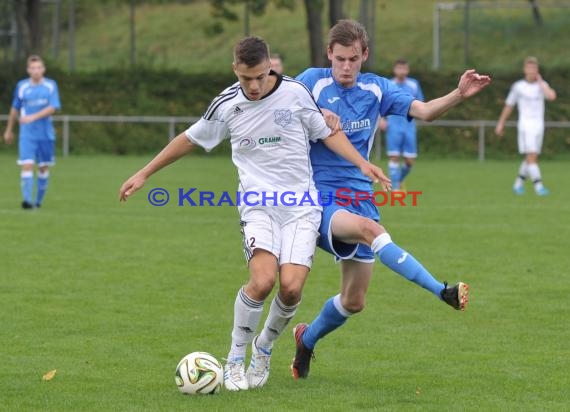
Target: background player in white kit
column 269, row 120
column 528, row 95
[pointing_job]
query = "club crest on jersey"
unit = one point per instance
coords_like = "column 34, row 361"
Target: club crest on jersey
column 247, row 143
column 283, row 117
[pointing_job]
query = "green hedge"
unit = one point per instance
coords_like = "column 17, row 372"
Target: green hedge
column 172, row 93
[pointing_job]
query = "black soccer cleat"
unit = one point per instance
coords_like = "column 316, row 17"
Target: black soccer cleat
column 302, row 360
column 27, row 205
column 457, row 296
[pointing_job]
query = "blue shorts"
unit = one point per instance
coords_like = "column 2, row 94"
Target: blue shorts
column 33, row 151
column 341, row 250
column 401, row 141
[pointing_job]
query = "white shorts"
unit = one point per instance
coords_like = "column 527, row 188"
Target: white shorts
column 530, row 137
column 294, row 241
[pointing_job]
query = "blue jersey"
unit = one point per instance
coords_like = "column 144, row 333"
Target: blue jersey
column 412, row 87
column 358, row 108
column 30, row 98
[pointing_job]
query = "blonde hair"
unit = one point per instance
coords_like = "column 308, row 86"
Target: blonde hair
column 531, row 60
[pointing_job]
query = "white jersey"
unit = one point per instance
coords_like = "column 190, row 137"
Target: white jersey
column 529, row 99
column 269, row 137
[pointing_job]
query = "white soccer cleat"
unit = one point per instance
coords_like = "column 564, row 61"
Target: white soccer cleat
column 258, row 370
column 234, row 376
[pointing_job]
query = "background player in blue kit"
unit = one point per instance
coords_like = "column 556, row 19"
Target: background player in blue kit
column 352, row 233
column 400, row 131
column 35, row 100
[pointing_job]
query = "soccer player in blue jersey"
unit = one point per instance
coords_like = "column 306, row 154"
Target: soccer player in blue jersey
column 35, row 100
column 400, row 131
column 352, row 233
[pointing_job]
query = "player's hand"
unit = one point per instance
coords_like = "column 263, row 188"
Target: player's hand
column 500, row 130
column 27, row 119
column 383, row 124
column 377, row 175
column 8, row 136
column 332, row 120
column 472, row 83
column 133, row 184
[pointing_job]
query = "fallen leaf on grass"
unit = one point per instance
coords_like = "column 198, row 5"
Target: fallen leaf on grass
column 49, row 376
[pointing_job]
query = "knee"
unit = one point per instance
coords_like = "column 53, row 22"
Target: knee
column 259, row 287
column 353, row 304
column 370, row 230
column 290, row 294
column 409, row 162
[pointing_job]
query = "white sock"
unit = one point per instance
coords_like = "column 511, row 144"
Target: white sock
column 523, row 173
column 247, row 314
column 534, row 173
column 380, row 241
column 277, row 319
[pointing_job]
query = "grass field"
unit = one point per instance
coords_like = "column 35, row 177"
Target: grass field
column 113, row 295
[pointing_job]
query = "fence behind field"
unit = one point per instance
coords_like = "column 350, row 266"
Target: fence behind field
column 482, row 127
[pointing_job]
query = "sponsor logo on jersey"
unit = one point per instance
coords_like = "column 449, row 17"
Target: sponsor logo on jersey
column 270, row 140
column 238, row 110
column 355, row 125
column 333, row 99
column 247, row 143
column 37, row 102
column 283, row 117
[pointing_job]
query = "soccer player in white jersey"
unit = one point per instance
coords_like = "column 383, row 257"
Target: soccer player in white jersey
column 401, row 140
column 528, row 95
column 352, row 232
column 35, row 100
column 269, row 120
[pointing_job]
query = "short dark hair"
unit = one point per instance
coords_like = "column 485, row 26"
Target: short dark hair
column 346, row 33
column 251, row 51
column 400, row 62
column 34, row 58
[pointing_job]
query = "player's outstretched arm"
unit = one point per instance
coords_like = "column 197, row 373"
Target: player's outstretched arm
column 470, row 84
column 177, row 148
column 339, row 143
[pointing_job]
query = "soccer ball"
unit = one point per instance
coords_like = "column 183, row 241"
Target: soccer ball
column 199, row 373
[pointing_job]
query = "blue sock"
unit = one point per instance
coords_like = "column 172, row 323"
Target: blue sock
column 332, row 316
column 405, row 264
column 43, row 179
column 27, row 185
column 395, row 174
column 405, row 171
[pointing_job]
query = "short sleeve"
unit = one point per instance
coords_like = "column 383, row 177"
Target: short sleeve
column 54, row 97
column 16, row 101
column 420, row 93
column 315, row 124
column 207, row 133
column 311, row 116
column 394, row 100
column 512, row 97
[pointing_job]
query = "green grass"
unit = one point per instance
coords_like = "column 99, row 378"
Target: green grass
column 175, row 36
column 113, row 295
